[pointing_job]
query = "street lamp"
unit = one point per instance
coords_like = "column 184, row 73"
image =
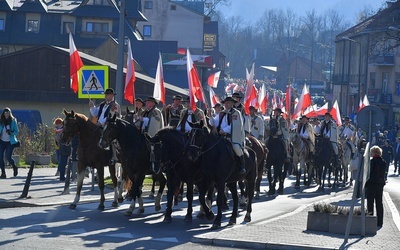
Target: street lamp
column 359, row 64
column 311, row 66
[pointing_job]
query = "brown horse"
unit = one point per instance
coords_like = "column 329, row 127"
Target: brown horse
column 89, row 153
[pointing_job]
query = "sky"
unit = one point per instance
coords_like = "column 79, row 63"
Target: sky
column 252, row 10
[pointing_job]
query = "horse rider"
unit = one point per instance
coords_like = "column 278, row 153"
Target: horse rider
column 257, row 124
column 152, row 117
column 229, row 123
column 348, row 131
column 306, row 132
column 280, row 124
column 139, row 111
column 108, row 106
column 329, row 130
column 173, row 111
column 189, row 115
column 239, row 106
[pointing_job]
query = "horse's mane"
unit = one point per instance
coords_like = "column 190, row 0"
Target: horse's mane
column 81, row 116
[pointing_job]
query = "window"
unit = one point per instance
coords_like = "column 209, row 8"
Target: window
column 147, row 30
column 33, row 26
column 385, row 81
column 372, row 79
column 397, row 77
column 97, row 27
column 148, row 5
column 2, row 24
column 68, row 27
column 173, row 7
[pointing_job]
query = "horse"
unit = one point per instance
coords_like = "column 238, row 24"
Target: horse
column 276, row 157
column 135, row 156
column 89, row 153
column 261, row 153
column 220, row 165
column 324, row 161
column 169, row 147
column 345, row 158
column 301, row 155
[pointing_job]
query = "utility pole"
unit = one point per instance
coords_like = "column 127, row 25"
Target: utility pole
column 120, row 63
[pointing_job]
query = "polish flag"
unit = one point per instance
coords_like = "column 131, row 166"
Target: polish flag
column 304, row 102
column 195, row 89
column 75, row 64
column 322, row 110
column 213, row 79
column 335, row 113
column 273, row 102
column 364, row 103
column 159, row 88
column 230, row 87
column 213, row 97
column 129, row 91
column 250, row 90
column 263, row 99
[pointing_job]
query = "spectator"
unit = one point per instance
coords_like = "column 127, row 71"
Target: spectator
column 387, row 155
column 397, row 155
column 8, row 140
column 375, row 184
column 64, row 153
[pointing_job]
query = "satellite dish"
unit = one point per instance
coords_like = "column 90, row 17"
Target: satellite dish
column 377, row 118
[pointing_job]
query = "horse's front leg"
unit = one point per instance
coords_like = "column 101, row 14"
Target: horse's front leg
column 203, row 187
column 79, row 184
column 171, row 185
column 100, row 176
column 113, row 175
column 233, row 189
column 162, row 181
column 135, row 192
column 189, row 197
column 220, row 202
column 298, row 174
column 250, row 192
column 271, row 183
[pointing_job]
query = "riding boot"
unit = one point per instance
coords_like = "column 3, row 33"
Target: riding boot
column 242, row 169
column 15, row 168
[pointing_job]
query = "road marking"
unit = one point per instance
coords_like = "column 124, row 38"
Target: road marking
column 121, row 235
column 393, row 210
column 75, row 231
column 167, row 239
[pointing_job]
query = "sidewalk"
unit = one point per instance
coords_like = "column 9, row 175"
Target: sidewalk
column 284, row 232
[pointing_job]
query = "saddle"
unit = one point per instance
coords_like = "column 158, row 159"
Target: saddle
column 307, row 143
column 232, row 153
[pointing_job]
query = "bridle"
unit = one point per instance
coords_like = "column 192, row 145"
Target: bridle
column 200, row 151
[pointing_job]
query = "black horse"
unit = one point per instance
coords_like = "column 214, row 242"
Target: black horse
column 89, row 153
column 276, row 157
column 135, row 156
column 220, row 165
column 168, row 146
column 325, row 162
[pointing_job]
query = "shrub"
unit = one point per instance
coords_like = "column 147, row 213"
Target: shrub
column 40, row 141
column 323, row 207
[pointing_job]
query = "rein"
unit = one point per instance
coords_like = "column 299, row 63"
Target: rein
column 201, row 147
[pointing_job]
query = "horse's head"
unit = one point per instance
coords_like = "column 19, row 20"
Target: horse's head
column 293, row 135
column 70, row 127
column 273, row 131
column 197, row 139
column 109, row 132
column 129, row 116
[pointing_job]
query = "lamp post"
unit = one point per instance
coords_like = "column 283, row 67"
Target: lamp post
column 311, row 60
column 359, row 64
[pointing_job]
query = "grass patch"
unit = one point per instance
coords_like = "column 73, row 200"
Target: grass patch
column 147, row 181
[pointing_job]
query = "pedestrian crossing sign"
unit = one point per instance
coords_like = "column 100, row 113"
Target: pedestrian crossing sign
column 93, row 80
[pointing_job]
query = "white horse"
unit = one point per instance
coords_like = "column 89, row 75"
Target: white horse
column 345, row 158
column 300, row 155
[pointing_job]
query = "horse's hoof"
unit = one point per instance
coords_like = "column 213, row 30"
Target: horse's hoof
column 140, row 211
column 232, row 221
column 151, row 196
column 210, row 216
column 247, row 218
column 225, row 207
column 100, row 207
column 216, row 225
column 128, row 213
column 280, row 191
column 297, row 187
column 114, row 204
column 167, row 219
column 120, row 200
column 72, row 206
column 128, row 198
column 188, row 219
column 329, row 185
column 257, row 196
column 158, row 208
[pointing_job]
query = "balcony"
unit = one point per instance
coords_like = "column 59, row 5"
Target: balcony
column 383, row 60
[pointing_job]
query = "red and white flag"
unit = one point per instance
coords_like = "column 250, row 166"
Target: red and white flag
column 363, row 103
column 263, row 99
column 195, row 89
column 213, row 97
column 129, row 91
column 322, row 110
column 274, row 102
column 75, row 64
column 250, row 90
column 335, row 113
column 304, row 102
column 213, row 79
column 159, row 88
